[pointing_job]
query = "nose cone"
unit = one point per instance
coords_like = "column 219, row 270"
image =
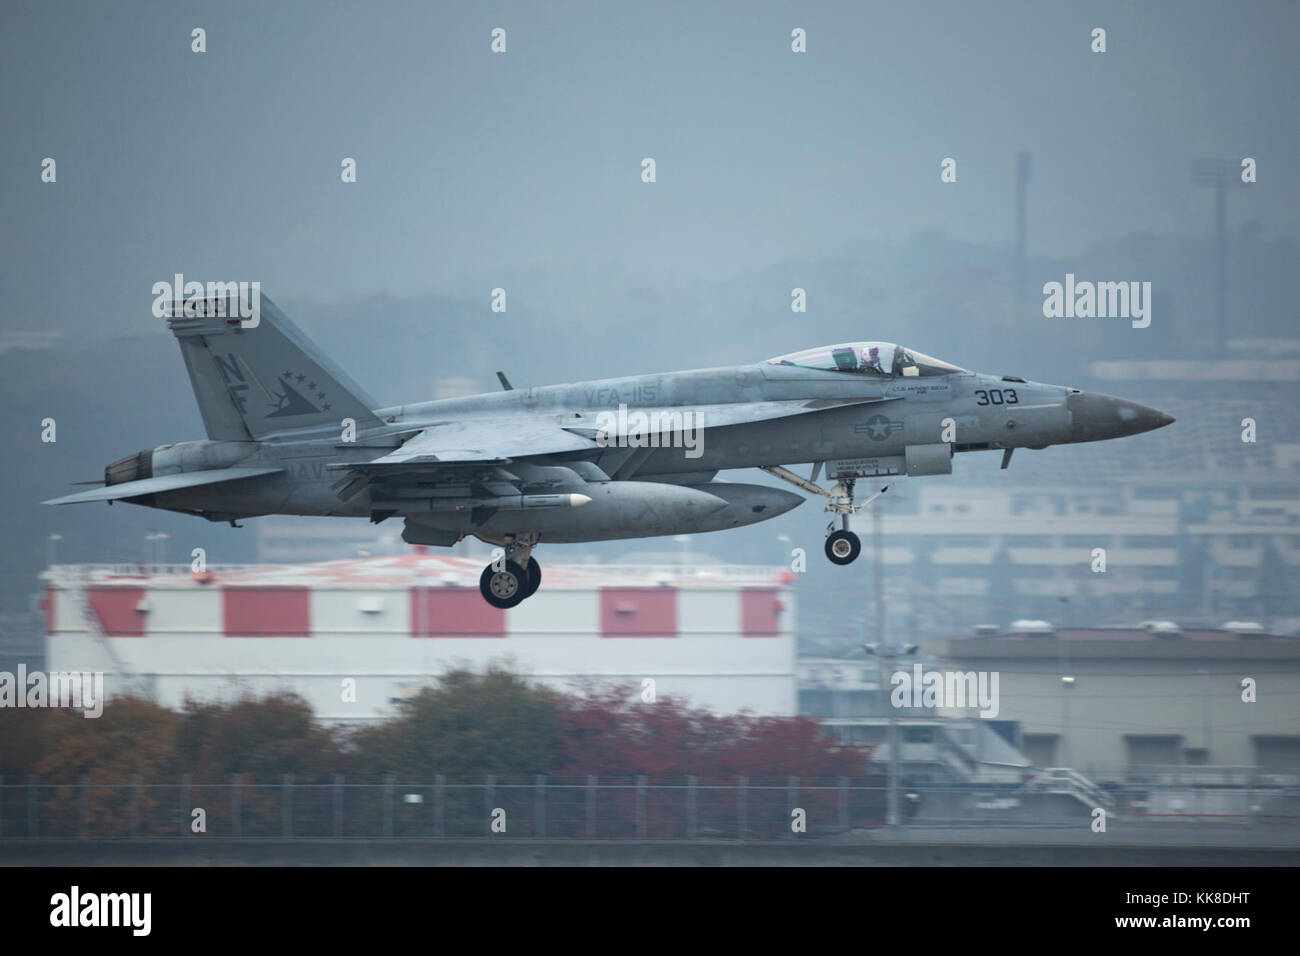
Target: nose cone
column 1097, row 417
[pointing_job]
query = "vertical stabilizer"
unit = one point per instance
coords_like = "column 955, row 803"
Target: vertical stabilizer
column 251, row 382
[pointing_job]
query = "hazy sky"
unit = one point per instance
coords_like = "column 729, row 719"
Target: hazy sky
column 477, row 168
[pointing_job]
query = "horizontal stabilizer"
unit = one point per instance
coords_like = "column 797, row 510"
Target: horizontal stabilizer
column 161, row 483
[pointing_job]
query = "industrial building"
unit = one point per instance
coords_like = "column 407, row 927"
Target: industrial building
column 1125, row 704
column 1159, row 721
column 1119, row 705
column 719, row 636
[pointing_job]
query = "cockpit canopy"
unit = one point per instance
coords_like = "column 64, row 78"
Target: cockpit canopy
column 874, row 359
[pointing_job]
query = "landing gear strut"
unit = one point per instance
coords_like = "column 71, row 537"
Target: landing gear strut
column 514, row 576
column 842, row 546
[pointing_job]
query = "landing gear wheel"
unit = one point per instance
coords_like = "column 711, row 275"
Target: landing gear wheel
column 843, row 547
column 534, row 578
column 506, row 587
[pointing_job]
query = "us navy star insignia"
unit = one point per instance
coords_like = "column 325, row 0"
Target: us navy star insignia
column 878, row 427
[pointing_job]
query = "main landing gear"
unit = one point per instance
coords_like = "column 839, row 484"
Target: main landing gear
column 842, row 546
column 514, row 576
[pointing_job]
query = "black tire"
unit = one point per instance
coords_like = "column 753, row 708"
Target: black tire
column 504, row 588
column 843, row 547
column 534, row 578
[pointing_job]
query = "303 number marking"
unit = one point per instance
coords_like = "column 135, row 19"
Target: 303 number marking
column 996, row 396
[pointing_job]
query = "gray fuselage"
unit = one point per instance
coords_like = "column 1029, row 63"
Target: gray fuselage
column 963, row 410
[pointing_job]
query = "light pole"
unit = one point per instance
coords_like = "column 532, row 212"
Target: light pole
column 1220, row 175
column 1067, row 683
column 878, row 559
column 1206, row 713
column 1024, row 171
column 887, row 656
column 154, row 549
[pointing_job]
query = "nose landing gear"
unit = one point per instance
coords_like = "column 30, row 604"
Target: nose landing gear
column 842, row 546
column 514, row 576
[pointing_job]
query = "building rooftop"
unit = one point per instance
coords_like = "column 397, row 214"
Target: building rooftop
column 415, row 569
column 1163, row 636
column 1119, row 643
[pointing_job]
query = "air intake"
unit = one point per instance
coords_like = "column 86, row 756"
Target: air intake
column 131, row 468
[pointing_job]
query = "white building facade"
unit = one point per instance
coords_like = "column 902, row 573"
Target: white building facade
column 356, row 637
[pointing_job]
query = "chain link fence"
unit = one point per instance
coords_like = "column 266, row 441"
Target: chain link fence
column 524, row 807
column 539, row 807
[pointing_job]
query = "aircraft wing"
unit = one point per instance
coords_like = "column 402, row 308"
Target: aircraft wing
column 468, row 443
column 476, row 442
column 153, row 486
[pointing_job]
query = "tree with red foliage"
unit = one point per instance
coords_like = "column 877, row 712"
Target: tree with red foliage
column 610, row 731
column 686, row 754
column 655, row 765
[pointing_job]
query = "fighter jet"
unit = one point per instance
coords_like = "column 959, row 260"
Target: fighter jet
column 290, row 433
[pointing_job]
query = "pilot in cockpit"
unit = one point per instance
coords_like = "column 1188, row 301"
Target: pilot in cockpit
column 871, row 360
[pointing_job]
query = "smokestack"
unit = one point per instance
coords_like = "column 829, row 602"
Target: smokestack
column 1024, row 170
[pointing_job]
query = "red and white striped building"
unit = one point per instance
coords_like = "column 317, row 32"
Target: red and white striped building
column 720, row 636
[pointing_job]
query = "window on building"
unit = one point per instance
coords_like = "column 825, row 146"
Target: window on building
column 1277, row 753
column 1154, row 492
column 1284, row 492
column 1041, row 749
column 1146, row 541
column 815, row 703
column 1153, row 750
column 868, row 735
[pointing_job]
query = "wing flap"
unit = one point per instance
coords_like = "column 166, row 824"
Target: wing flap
column 161, row 483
